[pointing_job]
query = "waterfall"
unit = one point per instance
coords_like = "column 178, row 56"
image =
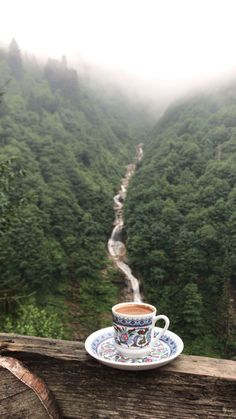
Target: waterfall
column 116, row 247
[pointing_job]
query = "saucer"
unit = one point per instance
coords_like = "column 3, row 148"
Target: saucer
column 101, row 346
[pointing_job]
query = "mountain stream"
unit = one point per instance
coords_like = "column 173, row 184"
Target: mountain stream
column 116, row 247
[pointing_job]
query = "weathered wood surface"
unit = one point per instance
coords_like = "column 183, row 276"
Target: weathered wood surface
column 35, row 383
column 190, row 387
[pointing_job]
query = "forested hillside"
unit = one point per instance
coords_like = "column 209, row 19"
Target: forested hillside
column 64, row 147
column 181, row 220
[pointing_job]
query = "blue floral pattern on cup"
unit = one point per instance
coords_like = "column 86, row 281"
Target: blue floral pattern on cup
column 134, row 325
column 132, row 337
column 129, row 322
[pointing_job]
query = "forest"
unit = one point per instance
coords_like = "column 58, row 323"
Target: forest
column 64, row 146
column 180, row 217
column 65, row 143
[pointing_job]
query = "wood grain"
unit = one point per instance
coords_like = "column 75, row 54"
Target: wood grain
column 32, row 381
column 190, row 387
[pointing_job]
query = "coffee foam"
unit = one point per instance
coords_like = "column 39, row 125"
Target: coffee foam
column 134, row 309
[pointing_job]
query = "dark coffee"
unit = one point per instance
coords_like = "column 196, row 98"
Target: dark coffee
column 134, row 309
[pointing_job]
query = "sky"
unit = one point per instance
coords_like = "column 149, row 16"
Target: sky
column 164, row 43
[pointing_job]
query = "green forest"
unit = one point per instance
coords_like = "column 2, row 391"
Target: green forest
column 181, row 220
column 65, row 143
column 64, row 147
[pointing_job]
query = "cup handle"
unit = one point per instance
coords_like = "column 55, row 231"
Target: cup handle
column 167, row 323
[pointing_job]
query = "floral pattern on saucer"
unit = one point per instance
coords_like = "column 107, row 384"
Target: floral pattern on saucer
column 107, row 350
column 101, row 346
column 104, row 346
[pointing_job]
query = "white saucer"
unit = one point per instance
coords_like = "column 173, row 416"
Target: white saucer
column 101, row 346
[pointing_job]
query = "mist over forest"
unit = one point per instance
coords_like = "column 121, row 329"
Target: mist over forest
column 67, row 133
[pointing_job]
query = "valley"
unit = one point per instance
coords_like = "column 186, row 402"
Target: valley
column 67, row 152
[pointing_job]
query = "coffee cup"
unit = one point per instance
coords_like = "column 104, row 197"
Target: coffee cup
column 134, row 325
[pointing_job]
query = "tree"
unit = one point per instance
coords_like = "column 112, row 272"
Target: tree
column 35, row 321
column 12, row 287
column 192, row 310
column 15, row 61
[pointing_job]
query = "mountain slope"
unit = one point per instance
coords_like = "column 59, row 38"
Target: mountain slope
column 180, row 218
column 65, row 149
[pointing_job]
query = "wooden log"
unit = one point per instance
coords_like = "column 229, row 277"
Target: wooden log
column 190, row 387
column 33, row 382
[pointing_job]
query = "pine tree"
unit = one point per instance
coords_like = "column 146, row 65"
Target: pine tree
column 12, row 287
column 192, row 309
column 14, row 60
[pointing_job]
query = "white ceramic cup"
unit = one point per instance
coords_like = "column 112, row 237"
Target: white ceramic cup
column 134, row 325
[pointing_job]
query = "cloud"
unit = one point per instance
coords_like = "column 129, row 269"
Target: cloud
column 170, row 44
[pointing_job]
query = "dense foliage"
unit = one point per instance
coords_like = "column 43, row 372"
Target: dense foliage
column 63, row 151
column 181, row 220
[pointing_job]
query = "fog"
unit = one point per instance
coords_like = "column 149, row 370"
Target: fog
column 157, row 49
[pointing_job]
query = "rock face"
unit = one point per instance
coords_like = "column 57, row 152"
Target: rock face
column 116, row 247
